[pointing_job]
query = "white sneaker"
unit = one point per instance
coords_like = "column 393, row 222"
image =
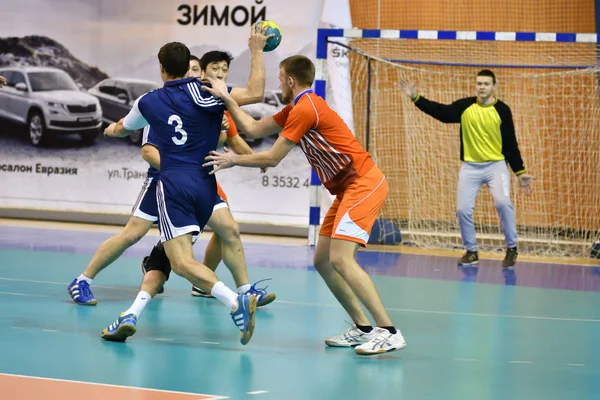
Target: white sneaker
column 381, row 341
column 350, row 338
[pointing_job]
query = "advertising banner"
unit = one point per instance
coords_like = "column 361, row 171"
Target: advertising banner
column 73, row 66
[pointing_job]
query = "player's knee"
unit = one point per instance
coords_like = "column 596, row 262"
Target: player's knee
column 132, row 235
column 157, row 260
column 339, row 262
column 182, row 265
column 321, row 263
column 230, row 232
column 179, row 266
column 464, row 212
column 503, row 204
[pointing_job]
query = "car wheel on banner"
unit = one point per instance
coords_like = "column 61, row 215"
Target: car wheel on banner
column 38, row 135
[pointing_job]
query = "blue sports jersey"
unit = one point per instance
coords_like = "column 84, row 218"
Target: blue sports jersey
column 148, row 138
column 185, row 121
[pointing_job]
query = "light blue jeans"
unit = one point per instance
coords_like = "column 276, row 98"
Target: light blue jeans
column 472, row 176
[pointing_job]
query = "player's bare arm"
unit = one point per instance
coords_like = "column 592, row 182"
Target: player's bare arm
column 251, row 128
column 116, row 129
column 133, row 121
column 151, row 155
column 223, row 134
column 222, row 139
column 255, row 87
column 224, row 124
column 263, row 159
column 239, row 145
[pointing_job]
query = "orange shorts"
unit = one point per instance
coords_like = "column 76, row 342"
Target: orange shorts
column 353, row 213
column 221, row 193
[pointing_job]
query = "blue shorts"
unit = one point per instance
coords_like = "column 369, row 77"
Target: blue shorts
column 220, row 203
column 145, row 207
column 185, row 203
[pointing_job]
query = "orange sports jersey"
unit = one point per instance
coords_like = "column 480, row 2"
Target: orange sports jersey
column 232, row 131
column 329, row 145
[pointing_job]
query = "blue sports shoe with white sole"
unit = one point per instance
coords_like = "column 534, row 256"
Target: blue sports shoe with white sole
column 262, row 297
column 243, row 317
column 121, row 329
column 81, row 293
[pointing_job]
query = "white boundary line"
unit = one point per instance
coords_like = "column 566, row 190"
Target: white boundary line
column 405, row 310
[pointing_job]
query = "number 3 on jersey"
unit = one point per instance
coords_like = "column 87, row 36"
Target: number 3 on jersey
column 178, row 128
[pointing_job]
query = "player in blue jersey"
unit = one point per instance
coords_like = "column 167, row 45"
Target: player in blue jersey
column 144, row 213
column 179, row 201
column 186, row 121
column 225, row 242
column 156, row 266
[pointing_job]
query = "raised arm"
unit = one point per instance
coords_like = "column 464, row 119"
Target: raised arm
column 447, row 113
column 255, row 87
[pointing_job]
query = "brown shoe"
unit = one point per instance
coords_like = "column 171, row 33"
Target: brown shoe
column 469, row 258
column 510, row 259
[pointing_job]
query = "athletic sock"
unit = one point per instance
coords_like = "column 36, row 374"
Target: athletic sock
column 244, row 288
column 141, row 301
column 391, row 329
column 82, row 277
column 225, row 295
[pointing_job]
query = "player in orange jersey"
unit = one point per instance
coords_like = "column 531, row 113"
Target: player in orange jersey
column 348, row 172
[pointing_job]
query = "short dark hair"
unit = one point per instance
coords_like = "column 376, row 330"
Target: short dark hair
column 194, row 58
column 488, row 73
column 300, row 68
column 214, row 56
column 175, row 59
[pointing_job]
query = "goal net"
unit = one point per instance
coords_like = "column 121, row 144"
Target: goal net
column 550, row 81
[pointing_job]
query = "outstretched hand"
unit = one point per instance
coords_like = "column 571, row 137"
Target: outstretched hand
column 410, row 89
column 217, row 88
column 258, row 37
column 220, row 160
column 525, row 183
column 110, row 130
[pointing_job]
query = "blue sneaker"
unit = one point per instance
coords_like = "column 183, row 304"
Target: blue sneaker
column 81, row 293
column 263, row 298
column 243, row 317
column 121, row 329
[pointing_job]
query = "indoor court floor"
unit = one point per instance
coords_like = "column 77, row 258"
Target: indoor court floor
column 474, row 333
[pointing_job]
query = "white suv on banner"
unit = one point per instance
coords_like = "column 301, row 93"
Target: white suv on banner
column 49, row 102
